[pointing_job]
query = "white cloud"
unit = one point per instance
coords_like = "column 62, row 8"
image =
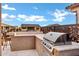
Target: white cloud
column 60, row 15
column 6, row 7
column 8, row 17
column 36, row 8
column 4, row 16
column 32, row 18
column 60, row 19
column 12, row 16
column 37, row 18
column 21, row 17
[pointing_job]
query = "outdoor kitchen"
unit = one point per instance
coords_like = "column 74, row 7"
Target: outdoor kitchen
column 34, row 40
column 49, row 44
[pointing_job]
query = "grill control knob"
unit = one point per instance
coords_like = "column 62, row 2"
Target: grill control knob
column 49, row 47
column 44, row 43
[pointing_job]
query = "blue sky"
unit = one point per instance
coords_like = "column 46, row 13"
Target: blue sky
column 37, row 13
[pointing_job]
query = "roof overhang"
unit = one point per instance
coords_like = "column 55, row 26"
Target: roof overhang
column 72, row 7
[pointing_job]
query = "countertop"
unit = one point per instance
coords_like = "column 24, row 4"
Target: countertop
column 67, row 47
column 39, row 35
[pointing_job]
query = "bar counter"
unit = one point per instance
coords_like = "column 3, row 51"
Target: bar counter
column 24, row 41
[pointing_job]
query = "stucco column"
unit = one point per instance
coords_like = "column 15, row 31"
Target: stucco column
column 77, row 16
column 35, row 28
column 39, row 29
column 0, row 29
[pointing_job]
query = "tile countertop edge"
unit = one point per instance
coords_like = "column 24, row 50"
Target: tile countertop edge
column 40, row 36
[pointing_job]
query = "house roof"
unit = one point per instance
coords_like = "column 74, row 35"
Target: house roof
column 72, row 6
column 62, row 25
column 30, row 25
column 2, row 24
column 51, row 25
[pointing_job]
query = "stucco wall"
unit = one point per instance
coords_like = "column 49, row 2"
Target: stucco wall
column 0, row 28
column 22, row 43
column 76, row 10
column 77, row 16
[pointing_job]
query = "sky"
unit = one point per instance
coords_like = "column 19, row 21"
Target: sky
column 37, row 13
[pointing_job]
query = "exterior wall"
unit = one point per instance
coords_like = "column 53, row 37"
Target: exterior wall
column 26, row 29
column 77, row 16
column 60, row 28
column 47, row 29
column 8, row 28
column 23, row 29
column 0, row 28
column 35, row 28
column 76, row 9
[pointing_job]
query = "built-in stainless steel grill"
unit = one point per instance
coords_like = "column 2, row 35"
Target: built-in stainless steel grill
column 55, row 39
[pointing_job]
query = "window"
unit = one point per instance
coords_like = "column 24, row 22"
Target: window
column 23, row 27
column 37, row 28
column 30, row 28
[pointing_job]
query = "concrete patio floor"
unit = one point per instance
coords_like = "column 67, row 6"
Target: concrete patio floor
column 8, row 52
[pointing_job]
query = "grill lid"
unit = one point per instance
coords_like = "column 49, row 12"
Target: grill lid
column 53, row 36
